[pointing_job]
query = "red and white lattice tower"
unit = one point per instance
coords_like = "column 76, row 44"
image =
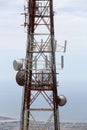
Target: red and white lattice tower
column 37, row 72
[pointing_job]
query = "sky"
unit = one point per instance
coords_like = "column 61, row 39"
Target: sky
column 71, row 25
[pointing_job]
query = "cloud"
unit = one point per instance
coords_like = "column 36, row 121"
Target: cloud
column 72, row 7
column 11, row 33
column 10, row 12
column 77, row 3
column 74, row 3
column 11, row 2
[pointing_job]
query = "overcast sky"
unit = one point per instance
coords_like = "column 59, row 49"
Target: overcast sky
column 70, row 25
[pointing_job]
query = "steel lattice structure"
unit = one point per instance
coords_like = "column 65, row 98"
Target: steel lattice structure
column 39, row 76
column 40, row 64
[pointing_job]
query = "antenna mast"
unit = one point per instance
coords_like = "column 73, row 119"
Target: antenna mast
column 37, row 72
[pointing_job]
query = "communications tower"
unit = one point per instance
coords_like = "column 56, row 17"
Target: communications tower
column 37, row 71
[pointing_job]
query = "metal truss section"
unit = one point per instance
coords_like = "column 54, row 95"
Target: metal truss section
column 40, row 99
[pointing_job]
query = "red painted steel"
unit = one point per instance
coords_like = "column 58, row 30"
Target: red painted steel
column 40, row 68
